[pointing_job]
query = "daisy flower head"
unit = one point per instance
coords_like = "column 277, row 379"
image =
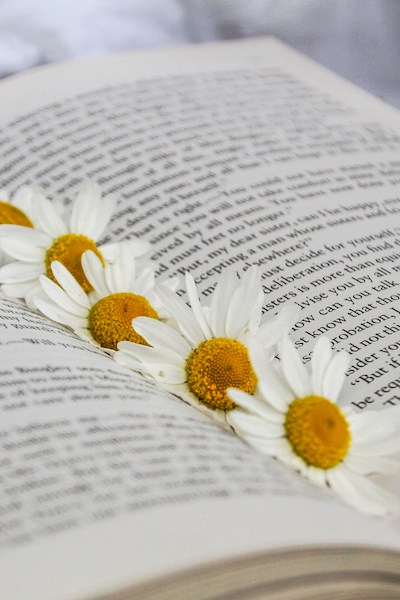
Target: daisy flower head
column 104, row 315
column 15, row 210
column 296, row 419
column 205, row 352
column 54, row 239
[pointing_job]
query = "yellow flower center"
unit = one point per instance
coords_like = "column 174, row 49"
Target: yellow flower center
column 68, row 250
column 11, row 215
column 317, row 431
column 216, row 365
column 110, row 319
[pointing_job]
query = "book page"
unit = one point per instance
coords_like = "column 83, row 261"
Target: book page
column 236, row 154
column 264, row 158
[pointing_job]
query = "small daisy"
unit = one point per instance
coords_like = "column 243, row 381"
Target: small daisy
column 104, row 315
column 295, row 418
column 34, row 250
column 15, row 211
column 206, row 352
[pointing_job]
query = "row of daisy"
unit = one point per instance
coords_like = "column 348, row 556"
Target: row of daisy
column 219, row 357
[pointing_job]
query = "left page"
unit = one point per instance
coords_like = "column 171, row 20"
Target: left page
column 108, row 483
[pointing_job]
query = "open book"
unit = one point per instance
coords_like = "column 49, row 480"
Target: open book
column 230, row 154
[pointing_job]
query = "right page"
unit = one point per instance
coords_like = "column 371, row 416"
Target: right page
column 330, row 245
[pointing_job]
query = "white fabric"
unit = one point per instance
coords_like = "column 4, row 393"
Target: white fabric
column 41, row 31
column 359, row 39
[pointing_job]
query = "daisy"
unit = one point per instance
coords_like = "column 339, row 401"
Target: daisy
column 15, row 211
column 206, row 352
column 295, row 418
column 104, row 315
column 34, row 250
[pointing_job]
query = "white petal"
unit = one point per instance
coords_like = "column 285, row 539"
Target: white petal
column 240, row 309
column 293, row 461
column 34, row 290
column 23, row 198
column 382, row 422
column 371, row 464
column 114, row 278
column 56, row 313
column 271, row 384
column 320, row 359
column 27, row 235
column 260, row 359
column 19, row 272
column 254, row 426
column 335, row 375
column 182, row 315
column 4, row 195
column 361, row 493
column 167, row 373
column 91, row 213
column 182, row 391
column 220, row 301
column 255, row 405
column 127, row 263
column 196, row 306
column 368, row 431
column 17, row 290
column 103, row 216
column 144, row 282
column 60, row 297
column 130, row 362
column 256, row 316
column 277, row 447
column 172, row 283
column 293, row 368
column 94, row 271
column 85, row 209
column 273, row 330
column 362, row 420
column 143, row 353
column 372, row 434
column 164, row 372
column 162, row 336
column 381, row 448
column 109, row 251
column 275, row 392
column 69, row 284
column 120, row 274
column 46, row 216
column 23, row 251
column 85, row 334
column 316, row 476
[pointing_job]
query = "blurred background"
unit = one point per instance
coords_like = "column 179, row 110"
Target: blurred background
column 359, row 39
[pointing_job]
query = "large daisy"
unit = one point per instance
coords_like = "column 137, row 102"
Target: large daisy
column 55, row 239
column 15, row 210
column 104, row 315
column 206, row 352
column 296, row 419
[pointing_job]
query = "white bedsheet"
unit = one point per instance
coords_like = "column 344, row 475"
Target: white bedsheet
column 34, row 32
column 359, row 39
